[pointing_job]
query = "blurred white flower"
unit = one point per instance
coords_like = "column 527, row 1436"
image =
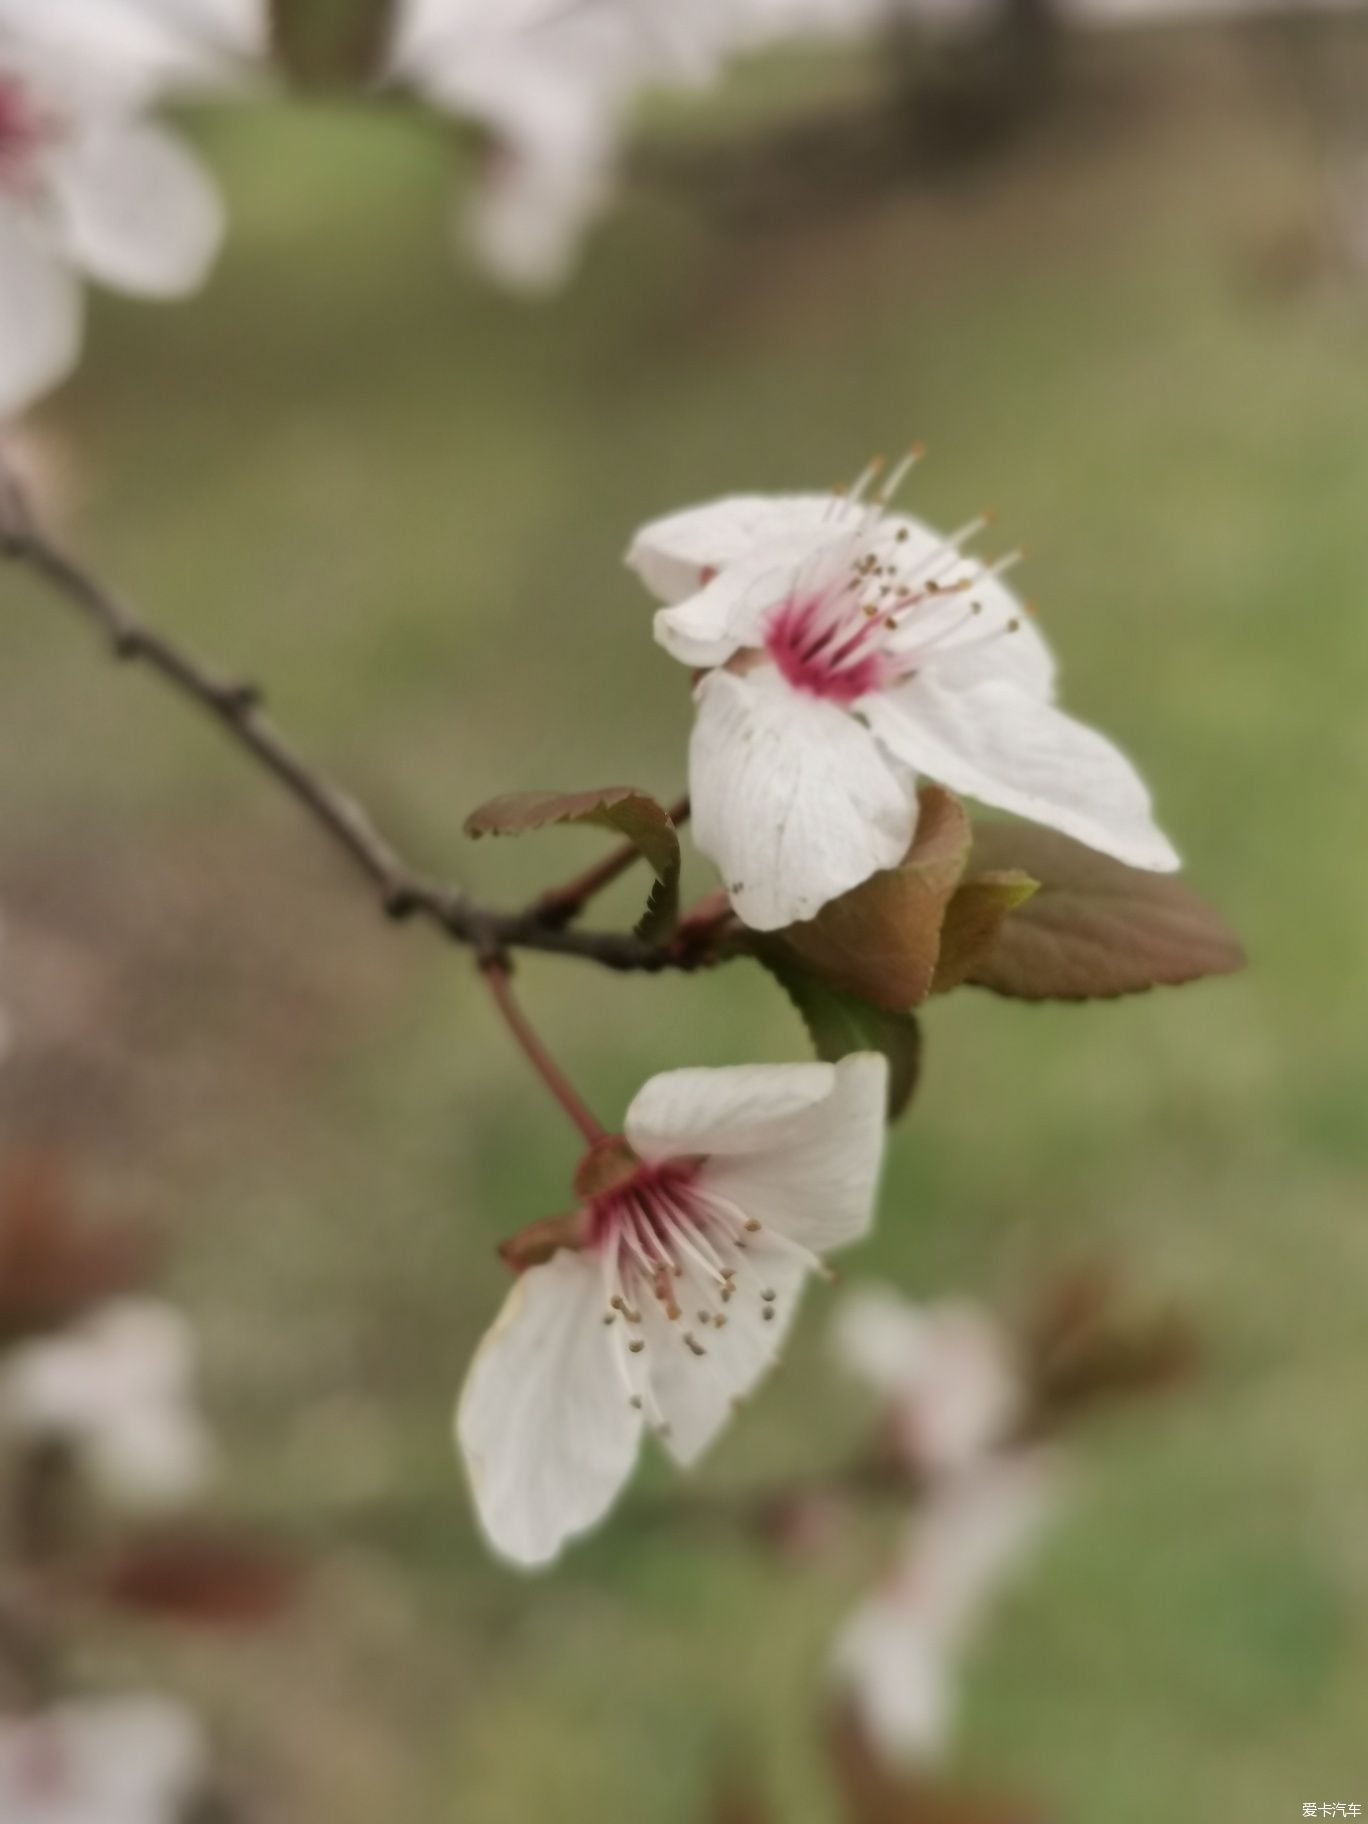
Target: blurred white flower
column 118, row 1760
column 89, row 188
column 690, row 1260
column 144, row 47
column 848, row 649
column 552, row 84
column 951, row 1387
column 899, row 1658
column 119, row 1388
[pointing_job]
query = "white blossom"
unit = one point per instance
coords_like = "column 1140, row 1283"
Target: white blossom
column 676, row 1300
column 119, row 1388
column 117, row 1760
column 899, row 1657
column 945, row 1373
column 952, row 1394
column 89, row 187
column 846, row 650
column 553, row 86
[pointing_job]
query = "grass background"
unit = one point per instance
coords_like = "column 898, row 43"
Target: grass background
column 400, row 500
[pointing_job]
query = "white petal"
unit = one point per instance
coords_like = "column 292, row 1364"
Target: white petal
column 544, row 1421
column 816, row 1185
column 138, row 212
column 1004, row 638
column 946, row 1370
column 122, row 1760
column 153, row 1460
column 900, row 1656
column 530, row 214
column 123, row 52
column 731, row 611
column 40, row 314
column 119, row 1387
column 793, row 799
column 897, row 1680
column 995, row 742
column 739, row 1108
column 676, row 555
column 969, row 1539
column 878, row 1336
column 697, row 1394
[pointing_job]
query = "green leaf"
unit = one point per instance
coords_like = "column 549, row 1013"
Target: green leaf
column 623, row 809
column 839, row 1023
column 1094, row 928
column 881, row 941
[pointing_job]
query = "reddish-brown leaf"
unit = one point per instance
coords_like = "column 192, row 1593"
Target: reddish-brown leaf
column 1082, row 1351
column 215, row 1579
column 881, row 940
column 623, row 809
column 53, row 1265
column 1094, row 928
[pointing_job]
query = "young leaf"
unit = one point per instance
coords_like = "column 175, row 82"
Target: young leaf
column 973, row 923
column 839, row 1023
column 1094, row 928
column 623, row 809
column 881, row 941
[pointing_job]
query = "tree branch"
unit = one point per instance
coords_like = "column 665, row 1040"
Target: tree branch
column 237, row 707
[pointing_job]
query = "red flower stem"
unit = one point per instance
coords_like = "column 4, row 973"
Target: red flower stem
column 559, row 905
column 496, row 974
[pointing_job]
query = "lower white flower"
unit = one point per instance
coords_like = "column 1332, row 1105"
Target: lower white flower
column 120, row 1389
column 946, row 1373
column 89, row 189
column 673, row 1287
column 846, row 650
column 118, row 1760
column 898, row 1660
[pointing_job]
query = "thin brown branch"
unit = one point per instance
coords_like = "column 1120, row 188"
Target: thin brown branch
column 237, row 708
column 497, row 978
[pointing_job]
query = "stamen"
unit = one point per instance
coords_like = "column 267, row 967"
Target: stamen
column 900, row 473
column 870, row 473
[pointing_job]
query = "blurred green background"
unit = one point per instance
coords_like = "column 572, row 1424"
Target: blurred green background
column 399, row 500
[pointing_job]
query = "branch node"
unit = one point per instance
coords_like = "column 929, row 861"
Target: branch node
column 401, row 902
column 242, row 699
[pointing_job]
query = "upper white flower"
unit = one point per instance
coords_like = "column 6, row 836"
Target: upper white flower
column 123, row 1760
column 945, row 1372
column 88, row 187
column 120, row 1388
column 898, row 1658
column 675, row 1300
column 553, row 85
column 846, row 650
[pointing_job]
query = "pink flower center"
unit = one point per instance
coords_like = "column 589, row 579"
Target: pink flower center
column 24, row 130
column 646, row 1224
column 874, row 619
column 674, row 1256
column 828, row 654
